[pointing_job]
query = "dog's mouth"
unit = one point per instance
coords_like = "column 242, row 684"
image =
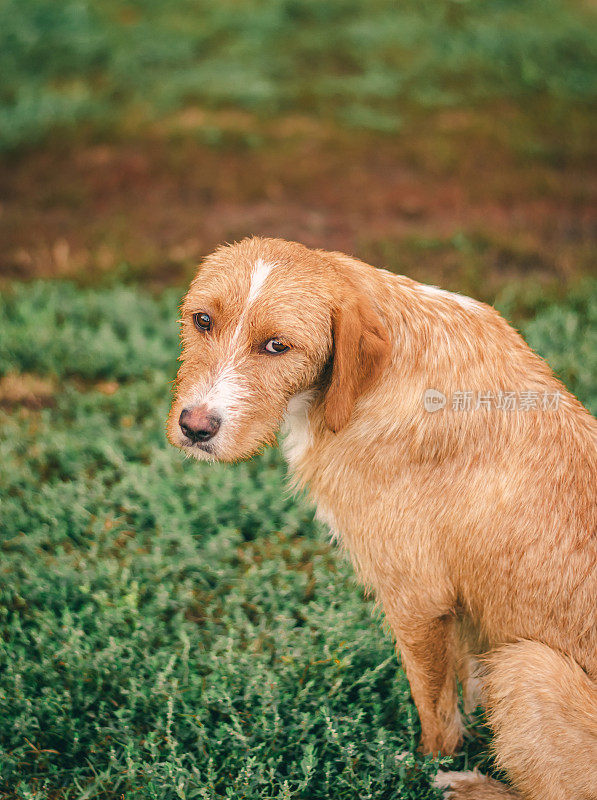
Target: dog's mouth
column 206, row 447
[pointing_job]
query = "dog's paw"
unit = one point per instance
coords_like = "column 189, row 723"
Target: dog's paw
column 444, row 780
column 472, row 785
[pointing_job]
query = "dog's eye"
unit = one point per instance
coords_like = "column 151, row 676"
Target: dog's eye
column 202, row 321
column 275, row 346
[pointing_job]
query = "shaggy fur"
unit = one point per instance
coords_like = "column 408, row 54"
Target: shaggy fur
column 476, row 529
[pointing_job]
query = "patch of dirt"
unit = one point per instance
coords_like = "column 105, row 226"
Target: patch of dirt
column 26, row 391
column 153, row 207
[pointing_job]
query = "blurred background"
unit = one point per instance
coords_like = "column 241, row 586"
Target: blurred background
column 175, row 630
column 452, row 140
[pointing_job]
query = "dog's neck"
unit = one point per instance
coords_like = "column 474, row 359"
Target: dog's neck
column 296, row 430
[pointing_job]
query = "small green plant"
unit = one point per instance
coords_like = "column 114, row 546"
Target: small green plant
column 565, row 334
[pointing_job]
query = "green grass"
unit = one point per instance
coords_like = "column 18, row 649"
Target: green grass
column 171, row 629
column 363, row 64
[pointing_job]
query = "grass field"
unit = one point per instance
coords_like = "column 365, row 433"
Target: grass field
column 171, row 629
column 366, row 65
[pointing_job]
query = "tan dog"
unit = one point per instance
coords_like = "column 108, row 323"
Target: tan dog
column 470, row 509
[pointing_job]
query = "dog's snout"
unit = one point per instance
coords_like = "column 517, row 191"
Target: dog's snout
column 198, row 424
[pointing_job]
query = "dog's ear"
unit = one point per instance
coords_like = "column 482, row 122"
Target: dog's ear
column 361, row 350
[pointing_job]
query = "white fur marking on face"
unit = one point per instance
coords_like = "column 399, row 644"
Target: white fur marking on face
column 227, row 392
column 223, row 397
column 258, row 277
column 295, row 427
column 461, row 299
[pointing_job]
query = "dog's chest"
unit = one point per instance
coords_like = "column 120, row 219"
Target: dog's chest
column 343, row 488
column 297, row 439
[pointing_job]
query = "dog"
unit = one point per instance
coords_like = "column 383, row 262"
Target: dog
column 457, row 471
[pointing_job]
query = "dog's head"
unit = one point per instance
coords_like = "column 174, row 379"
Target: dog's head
column 263, row 321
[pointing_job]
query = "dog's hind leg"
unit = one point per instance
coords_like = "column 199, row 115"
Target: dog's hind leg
column 542, row 708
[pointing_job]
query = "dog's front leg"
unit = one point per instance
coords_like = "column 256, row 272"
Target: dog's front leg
column 427, row 650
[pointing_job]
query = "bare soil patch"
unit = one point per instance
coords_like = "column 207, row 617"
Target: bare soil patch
column 452, row 199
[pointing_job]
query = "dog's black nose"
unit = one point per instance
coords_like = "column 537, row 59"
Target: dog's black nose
column 198, row 425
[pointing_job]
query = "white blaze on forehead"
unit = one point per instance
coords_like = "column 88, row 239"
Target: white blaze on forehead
column 259, row 275
column 261, row 269
column 461, row 299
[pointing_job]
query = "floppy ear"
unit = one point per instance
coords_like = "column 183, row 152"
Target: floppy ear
column 361, row 350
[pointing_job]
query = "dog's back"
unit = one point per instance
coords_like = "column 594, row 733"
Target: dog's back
column 499, row 485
